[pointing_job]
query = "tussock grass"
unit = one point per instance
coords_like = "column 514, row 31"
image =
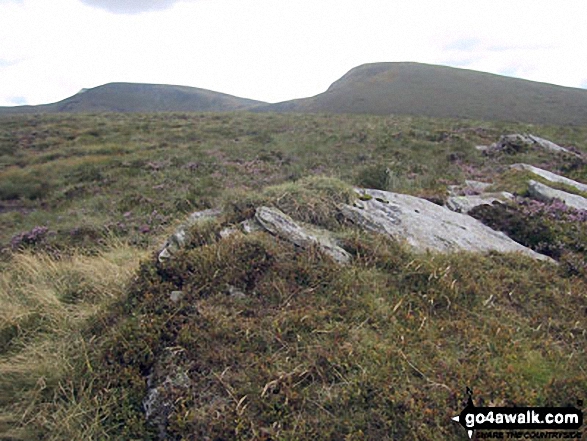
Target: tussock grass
column 45, row 304
column 312, row 200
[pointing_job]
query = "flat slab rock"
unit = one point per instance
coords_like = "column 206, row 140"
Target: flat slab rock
column 545, row 193
column 550, row 176
column 281, row 225
column 427, row 226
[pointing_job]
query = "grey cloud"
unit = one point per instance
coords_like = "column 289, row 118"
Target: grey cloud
column 130, row 6
column 584, row 85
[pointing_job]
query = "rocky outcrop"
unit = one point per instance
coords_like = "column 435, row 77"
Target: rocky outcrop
column 281, row 225
column 545, row 193
column 517, row 143
column 178, row 239
column 464, row 204
column 422, row 224
column 427, row 226
column 549, row 176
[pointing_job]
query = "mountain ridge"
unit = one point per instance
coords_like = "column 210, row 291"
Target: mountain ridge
column 442, row 91
column 405, row 88
column 140, row 97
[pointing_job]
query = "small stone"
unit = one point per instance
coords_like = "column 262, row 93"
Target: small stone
column 176, row 296
column 250, row 226
column 233, row 291
column 228, row 231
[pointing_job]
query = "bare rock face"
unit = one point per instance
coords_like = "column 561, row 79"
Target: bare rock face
column 545, row 193
column 464, row 204
column 281, row 225
column 178, row 239
column 549, row 176
column 427, row 226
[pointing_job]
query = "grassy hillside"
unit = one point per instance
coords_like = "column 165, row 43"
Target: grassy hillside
column 129, row 97
column 305, row 349
column 445, row 92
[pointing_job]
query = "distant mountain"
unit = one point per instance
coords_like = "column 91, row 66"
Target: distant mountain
column 378, row 88
column 131, row 97
column 438, row 91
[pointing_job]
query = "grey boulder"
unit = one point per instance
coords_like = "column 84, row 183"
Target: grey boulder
column 545, row 193
column 427, row 226
column 549, row 176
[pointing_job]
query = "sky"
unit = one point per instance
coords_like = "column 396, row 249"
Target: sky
column 276, row 50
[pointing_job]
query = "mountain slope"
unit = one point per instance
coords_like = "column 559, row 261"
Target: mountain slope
column 439, row 91
column 131, row 97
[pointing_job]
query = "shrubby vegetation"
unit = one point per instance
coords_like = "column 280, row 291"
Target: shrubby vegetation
column 305, row 349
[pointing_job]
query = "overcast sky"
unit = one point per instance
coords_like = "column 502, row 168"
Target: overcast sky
column 275, row 50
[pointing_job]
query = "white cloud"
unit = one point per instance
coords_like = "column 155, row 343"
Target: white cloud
column 272, row 50
column 130, row 6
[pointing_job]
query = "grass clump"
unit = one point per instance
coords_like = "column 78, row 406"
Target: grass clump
column 312, row 200
column 45, row 304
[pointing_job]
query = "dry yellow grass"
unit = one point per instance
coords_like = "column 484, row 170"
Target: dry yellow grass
column 44, row 305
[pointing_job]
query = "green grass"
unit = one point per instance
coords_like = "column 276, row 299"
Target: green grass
column 380, row 348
